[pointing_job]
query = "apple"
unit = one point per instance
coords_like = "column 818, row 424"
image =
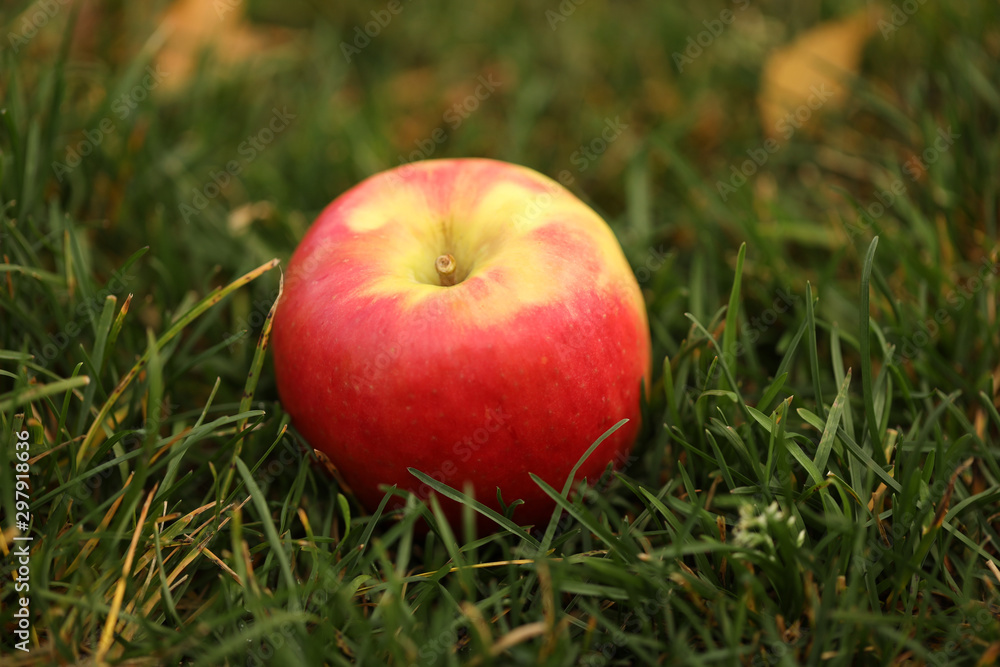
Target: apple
column 469, row 318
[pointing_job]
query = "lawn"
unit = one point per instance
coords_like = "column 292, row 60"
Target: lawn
column 808, row 196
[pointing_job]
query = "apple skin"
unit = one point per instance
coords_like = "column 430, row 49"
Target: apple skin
column 519, row 367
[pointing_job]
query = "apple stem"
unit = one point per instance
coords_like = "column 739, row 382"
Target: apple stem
column 445, row 265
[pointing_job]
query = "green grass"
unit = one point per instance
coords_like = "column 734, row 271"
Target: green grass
column 817, row 480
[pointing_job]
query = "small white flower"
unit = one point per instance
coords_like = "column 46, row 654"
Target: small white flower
column 755, row 528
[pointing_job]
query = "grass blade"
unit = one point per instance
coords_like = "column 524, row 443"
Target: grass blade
column 489, row 513
column 733, row 314
column 212, row 299
column 866, row 358
column 251, row 384
column 814, row 353
column 832, row 423
column 16, row 398
column 277, row 547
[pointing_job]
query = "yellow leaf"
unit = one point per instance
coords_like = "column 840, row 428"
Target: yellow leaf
column 809, row 73
column 193, row 26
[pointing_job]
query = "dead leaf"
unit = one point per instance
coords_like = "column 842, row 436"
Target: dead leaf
column 809, row 73
column 990, row 655
column 241, row 218
column 192, row 26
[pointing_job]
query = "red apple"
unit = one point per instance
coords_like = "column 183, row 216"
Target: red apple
column 468, row 318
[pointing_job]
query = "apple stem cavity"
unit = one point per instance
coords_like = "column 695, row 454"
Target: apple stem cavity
column 445, row 265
